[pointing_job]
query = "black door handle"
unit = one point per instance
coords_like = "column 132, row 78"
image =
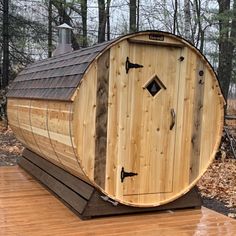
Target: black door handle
column 172, row 112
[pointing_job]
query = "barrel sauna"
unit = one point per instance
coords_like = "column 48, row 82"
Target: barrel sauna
column 139, row 118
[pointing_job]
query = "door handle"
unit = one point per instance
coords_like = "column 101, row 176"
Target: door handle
column 172, row 112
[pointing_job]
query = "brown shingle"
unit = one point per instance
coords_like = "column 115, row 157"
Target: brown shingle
column 56, row 78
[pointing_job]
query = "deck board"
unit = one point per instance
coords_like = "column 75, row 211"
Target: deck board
column 27, row 208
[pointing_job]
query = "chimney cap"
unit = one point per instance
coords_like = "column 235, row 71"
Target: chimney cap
column 64, row 26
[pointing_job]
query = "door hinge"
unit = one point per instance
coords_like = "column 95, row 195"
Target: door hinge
column 130, row 65
column 124, row 174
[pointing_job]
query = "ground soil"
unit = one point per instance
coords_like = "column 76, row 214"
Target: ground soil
column 217, row 186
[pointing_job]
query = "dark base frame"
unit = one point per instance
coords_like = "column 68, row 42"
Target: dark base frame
column 85, row 200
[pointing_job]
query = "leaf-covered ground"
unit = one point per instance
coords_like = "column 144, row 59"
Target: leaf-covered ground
column 10, row 147
column 218, row 186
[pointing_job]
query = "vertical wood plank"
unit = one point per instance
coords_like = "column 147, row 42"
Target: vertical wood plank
column 83, row 128
column 101, row 119
column 197, row 120
column 183, row 117
column 116, row 140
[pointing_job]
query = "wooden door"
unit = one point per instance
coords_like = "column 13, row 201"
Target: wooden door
column 142, row 124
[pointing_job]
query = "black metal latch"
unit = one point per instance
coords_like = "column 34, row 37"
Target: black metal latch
column 124, row 174
column 107, row 199
column 130, row 65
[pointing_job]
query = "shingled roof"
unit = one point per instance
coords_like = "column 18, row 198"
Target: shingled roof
column 56, row 78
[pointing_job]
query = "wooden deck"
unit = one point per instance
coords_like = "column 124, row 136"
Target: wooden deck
column 27, row 208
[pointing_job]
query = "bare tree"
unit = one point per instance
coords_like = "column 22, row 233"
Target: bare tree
column 49, row 28
column 138, row 15
column 64, row 17
column 187, row 20
column 101, row 21
column 108, row 19
column 201, row 32
column 84, row 9
column 175, row 21
column 132, row 16
column 83, row 12
column 5, row 45
column 225, row 47
column 233, row 27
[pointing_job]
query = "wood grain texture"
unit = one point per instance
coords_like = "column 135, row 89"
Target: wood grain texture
column 198, row 98
column 81, row 137
column 98, row 207
column 25, row 211
column 38, row 122
column 101, row 119
column 54, row 177
column 83, row 127
column 74, row 183
column 12, row 113
column 58, row 116
column 140, row 128
column 115, row 129
column 156, row 43
column 74, row 200
column 44, row 127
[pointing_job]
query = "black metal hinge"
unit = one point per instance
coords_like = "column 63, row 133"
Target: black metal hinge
column 124, row 174
column 130, row 65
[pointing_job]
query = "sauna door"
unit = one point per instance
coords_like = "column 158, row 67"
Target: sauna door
column 143, row 109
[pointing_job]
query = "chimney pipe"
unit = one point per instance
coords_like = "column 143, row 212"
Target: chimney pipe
column 64, row 40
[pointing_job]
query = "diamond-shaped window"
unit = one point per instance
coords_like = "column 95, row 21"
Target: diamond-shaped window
column 154, row 86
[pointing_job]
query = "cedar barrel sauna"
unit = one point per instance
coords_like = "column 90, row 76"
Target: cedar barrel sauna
column 138, row 118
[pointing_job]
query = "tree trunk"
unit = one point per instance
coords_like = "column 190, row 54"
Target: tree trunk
column 187, row 20
column 201, row 33
column 132, row 16
column 225, row 47
column 138, row 15
column 175, row 16
column 5, row 44
column 108, row 19
column 84, row 22
column 232, row 42
column 62, row 12
column 50, row 28
column 101, row 21
column 60, row 5
column 233, row 28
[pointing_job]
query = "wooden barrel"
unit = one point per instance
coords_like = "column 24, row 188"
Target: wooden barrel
column 140, row 117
